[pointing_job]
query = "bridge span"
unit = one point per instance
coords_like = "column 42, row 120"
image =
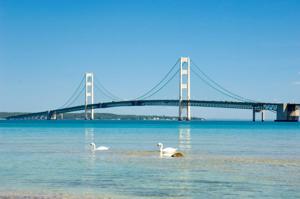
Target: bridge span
column 285, row 112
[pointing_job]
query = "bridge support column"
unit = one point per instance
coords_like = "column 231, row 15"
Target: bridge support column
column 262, row 112
column 51, row 115
column 287, row 113
column 54, row 116
column 89, row 95
column 184, row 85
column 262, row 115
column 48, row 115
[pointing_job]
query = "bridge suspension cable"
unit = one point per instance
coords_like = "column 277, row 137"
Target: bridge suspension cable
column 165, row 84
column 105, row 91
column 70, row 99
column 152, row 90
column 210, row 85
column 213, row 84
column 78, row 95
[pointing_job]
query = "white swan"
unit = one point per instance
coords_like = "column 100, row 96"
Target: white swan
column 166, row 151
column 100, row 148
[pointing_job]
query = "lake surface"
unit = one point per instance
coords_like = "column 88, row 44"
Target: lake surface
column 52, row 159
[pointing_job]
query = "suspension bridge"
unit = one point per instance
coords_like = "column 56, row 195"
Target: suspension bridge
column 183, row 67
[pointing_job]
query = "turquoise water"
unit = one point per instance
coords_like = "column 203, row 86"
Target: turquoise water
column 222, row 159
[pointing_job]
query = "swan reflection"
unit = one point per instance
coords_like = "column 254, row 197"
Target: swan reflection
column 89, row 138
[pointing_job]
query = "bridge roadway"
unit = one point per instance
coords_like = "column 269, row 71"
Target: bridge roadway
column 257, row 106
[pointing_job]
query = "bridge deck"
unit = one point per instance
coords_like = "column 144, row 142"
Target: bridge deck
column 199, row 103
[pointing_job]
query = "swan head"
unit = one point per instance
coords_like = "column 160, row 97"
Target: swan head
column 159, row 144
column 93, row 144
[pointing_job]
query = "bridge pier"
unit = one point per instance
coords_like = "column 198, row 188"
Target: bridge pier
column 54, row 116
column 287, row 113
column 51, row 115
column 253, row 114
column 262, row 112
column 262, row 115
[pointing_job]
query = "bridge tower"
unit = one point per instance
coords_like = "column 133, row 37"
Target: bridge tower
column 89, row 95
column 184, row 88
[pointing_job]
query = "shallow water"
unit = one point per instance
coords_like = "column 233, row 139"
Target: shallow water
column 51, row 159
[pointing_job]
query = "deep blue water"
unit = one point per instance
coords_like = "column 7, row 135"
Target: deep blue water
column 221, row 159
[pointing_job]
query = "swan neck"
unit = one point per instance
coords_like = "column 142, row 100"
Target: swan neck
column 161, row 148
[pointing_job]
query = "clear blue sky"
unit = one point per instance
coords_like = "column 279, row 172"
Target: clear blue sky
column 250, row 47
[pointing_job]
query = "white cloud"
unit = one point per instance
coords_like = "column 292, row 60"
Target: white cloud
column 296, row 83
